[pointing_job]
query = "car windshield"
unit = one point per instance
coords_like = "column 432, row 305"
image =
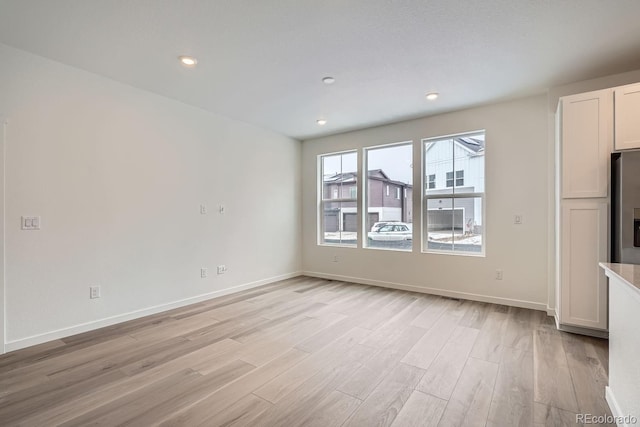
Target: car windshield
column 386, row 228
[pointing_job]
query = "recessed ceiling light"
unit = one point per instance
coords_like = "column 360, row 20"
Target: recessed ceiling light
column 188, row 61
column 328, row 80
column 432, row 95
column 321, row 122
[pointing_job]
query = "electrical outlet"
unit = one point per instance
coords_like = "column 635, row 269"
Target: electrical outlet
column 517, row 219
column 94, row 292
column 335, row 258
column 222, row 269
column 499, row 274
column 204, row 273
column 30, row 223
column 221, row 209
column 203, row 209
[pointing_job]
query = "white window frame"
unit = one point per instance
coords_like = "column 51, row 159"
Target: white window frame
column 321, row 201
column 454, row 195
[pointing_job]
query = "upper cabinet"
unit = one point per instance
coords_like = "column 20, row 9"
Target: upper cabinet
column 586, row 135
column 627, row 117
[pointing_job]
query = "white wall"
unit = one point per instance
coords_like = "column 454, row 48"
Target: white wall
column 517, row 171
column 117, row 175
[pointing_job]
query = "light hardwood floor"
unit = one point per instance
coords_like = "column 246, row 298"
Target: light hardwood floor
column 312, row 352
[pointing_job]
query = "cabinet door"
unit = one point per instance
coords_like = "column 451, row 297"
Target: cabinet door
column 586, row 141
column 583, row 285
column 627, row 117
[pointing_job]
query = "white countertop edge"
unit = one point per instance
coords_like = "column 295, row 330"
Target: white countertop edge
column 627, row 273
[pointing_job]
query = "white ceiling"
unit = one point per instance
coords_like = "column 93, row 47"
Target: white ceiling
column 262, row 61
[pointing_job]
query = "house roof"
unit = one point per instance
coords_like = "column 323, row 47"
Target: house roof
column 470, row 143
column 341, row 177
column 474, row 145
column 350, row 177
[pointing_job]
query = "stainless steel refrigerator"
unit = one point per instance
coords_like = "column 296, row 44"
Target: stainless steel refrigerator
column 625, row 207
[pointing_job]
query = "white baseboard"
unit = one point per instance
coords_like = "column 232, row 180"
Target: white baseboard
column 96, row 324
column 433, row 291
column 613, row 406
column 582, row 331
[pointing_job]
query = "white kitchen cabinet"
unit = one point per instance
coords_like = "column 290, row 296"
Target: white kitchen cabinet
column 627, row 117
column 586, row 142
column 583, row 244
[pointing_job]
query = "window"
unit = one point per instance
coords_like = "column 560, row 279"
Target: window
column 459, row 179
column 338, row 218
column 454, row 214
column 389, row 217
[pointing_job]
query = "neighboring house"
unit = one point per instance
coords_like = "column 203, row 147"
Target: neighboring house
column 463, row 173
column 388, row 200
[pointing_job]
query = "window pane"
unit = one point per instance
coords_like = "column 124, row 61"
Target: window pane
column 390, row 197
column 340, row 223
column 339, row 217
column 454, row 224
column 469, row 237
column 438, row 162
column 440, row 224
column 469, row 163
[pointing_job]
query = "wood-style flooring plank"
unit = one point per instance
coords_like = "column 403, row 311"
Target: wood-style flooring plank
column 342, row 350
column 421, row 410
column 200, row 412
column 512, row 402
column 548, row 416
column 476, row 315
column 374, row 369
column 471, row 398
column 443, row 373
column 308, row 351
column 245, row 412
column 586, row 372
column 292, row 410
column 332, row 411
column 428, row 347
column 167, row 395
column 552, row 379
column 385, row 403
column 96, row 397
column 489, row 344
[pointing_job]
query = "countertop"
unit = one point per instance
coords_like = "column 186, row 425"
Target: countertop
column 629, row 273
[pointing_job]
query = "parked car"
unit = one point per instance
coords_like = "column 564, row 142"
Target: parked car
column 392, row 232
column 376, row 226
